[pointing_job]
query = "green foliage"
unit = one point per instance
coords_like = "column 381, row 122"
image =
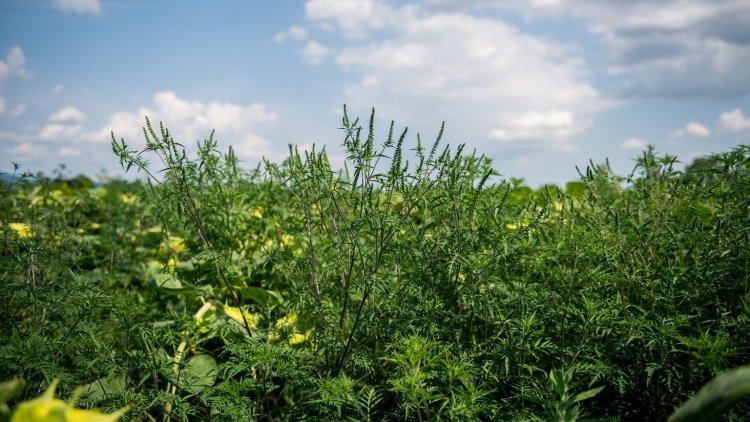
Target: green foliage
column 716, row 397
column 411, row 283
column 563, row 406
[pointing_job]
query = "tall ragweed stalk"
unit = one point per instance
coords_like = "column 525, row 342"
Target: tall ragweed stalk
column 182, row 180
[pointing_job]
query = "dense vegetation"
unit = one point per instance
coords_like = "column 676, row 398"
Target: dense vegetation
column 414, row 284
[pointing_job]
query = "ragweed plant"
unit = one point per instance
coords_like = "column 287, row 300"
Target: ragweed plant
column 411, row 282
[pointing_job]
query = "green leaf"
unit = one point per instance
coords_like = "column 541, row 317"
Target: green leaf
column 715, row 398
column 8, row 389
column 587, row 394
column 198, row 373
column 262, row 297
column 104, row 388
column 167, row 281
column 170, row 284
column 533, row 399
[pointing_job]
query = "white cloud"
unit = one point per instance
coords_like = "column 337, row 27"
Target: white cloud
column 57, row 132
column 692, row 129
column 314, row 52
column 353, row 17
column 69, row 152
column 190, row 121
column 78, row 6
column 633, row 143
column 293, row 33
column 2, row 106
column 26, row 150
column 733, row 121
column 18, row 110
column 18, row 137
column 657, row 47
column 555, row 123
column 451, row 65
column 68, row 115
column 13, row 64
column 57, row 89
column 65, row 125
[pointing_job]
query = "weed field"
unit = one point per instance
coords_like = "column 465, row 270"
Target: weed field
column 416, row 283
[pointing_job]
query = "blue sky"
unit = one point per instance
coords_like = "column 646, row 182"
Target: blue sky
column 540, row 86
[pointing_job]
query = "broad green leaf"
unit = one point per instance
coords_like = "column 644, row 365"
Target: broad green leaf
column 167, row 281
column 104, row 388
column 262, row 297
column 715, row 398
column 196, row 374
column 170, row 284
column 199, row 373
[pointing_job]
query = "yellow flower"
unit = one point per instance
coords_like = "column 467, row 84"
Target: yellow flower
column 22, row 230
column 514, row 226
column 257, row 213
column 287, row 239
column 297, row 338
column 128, row 198
column 287, row 321
column 171, row 264
column 175, row 244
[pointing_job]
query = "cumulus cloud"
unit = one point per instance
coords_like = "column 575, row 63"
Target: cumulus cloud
column 68, row 115
column 503, row 84
column 293, row 33
column 78, row 6
column 57, row 132
column 734, row 121
column 69, row 152
column 314, row 52
column 354, row 18
column 666, row 47
column 692, row 129
column 26, row 150
column 190, row 121
column 13, row 64
column 633, row 143
column 18, row 110
column 65, row 124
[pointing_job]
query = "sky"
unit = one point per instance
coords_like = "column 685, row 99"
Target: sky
column 540, row 86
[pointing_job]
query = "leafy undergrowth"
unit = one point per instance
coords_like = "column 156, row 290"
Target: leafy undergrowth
column 414, row 284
